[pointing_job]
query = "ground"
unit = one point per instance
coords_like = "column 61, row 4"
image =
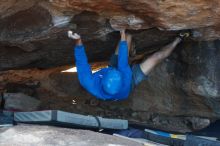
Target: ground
column 26, row 135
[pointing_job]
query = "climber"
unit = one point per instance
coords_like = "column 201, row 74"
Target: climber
column 117, row 81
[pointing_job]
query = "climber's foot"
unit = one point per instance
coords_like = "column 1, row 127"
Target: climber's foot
column 184, row 35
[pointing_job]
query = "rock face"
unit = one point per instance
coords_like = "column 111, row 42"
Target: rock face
column 160, row 102
column 20, row 102
column 24, row 135
column 36, row 30
column 183, row 89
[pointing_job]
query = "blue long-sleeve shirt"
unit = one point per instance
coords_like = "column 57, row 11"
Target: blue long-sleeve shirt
column 93, row 82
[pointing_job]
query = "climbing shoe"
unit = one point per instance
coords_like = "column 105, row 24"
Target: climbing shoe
column 184, row 35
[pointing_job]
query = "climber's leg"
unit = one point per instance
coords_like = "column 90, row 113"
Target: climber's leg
column 140, row 71
column 147, row 65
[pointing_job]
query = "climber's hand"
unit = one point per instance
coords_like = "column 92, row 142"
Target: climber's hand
column 123, row 35
column 74, row 36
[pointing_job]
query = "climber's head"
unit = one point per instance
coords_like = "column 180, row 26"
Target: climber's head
column 112, row 81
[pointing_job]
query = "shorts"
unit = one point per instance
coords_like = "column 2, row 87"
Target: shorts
column 137, row 74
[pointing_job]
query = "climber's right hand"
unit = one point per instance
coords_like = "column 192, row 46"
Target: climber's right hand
column 74, row 36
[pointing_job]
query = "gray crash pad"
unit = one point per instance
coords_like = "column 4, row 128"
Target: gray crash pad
column 56, row 117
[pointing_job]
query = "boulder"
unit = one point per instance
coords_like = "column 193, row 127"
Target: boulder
column 25, row 135
column 33, row 33
column 35, row 48
column 20, row 102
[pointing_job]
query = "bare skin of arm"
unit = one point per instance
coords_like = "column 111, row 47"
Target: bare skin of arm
column 78, row 42
column 147, row 65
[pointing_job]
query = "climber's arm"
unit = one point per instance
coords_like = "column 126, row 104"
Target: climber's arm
column 129, row 43
column 83, row 68
column 123, row 52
